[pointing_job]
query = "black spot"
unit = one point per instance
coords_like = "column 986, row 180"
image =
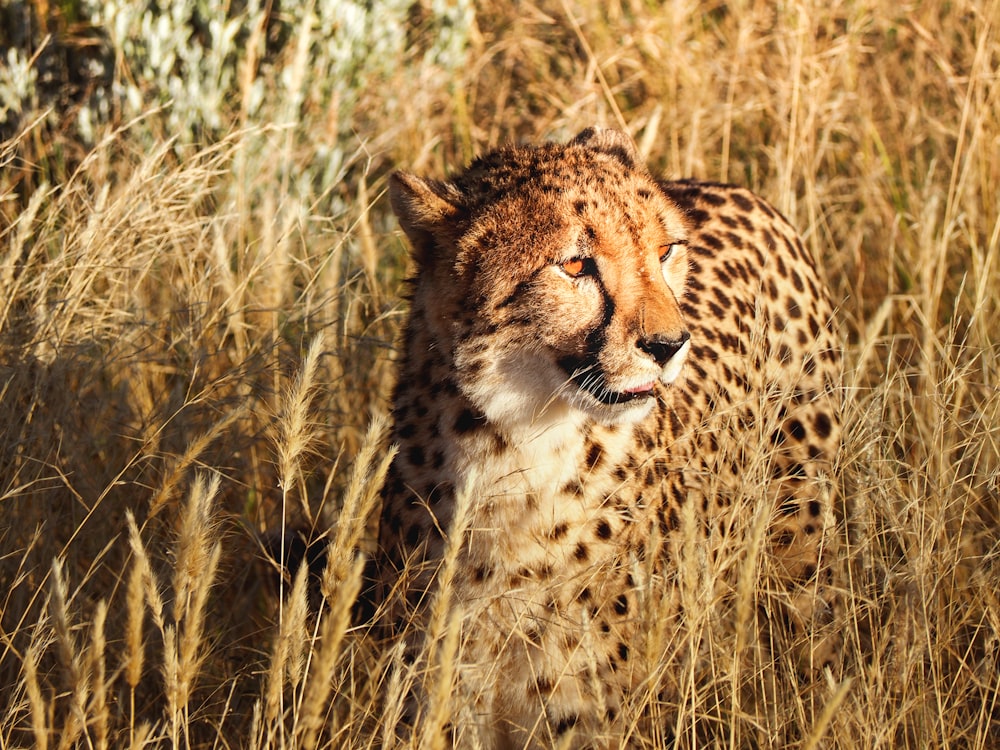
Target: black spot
column 579, row 207
column 572, row 487
column 472, row 368
column 465, row 422
column 744, row 203
column 765, row 208
column 784, row 539
column 795, row 470
column 796, row 430
column 543, row 685
column 823, row 425
column 673, row 520
column 794, row 311
column 566, row 723
column 446, row 386
column 584, row 595
column 813, row 326
column 594, row 455
column 797, row 282
column 604, row 530
column 704, row 352
column 734, row 268
column 623, row 651
column 814, row 508
column 581, row 552
column 621, row 604
column 698, row 216
column 789, row 506
column 416, row 455
column 791, row 249
column 647, row 440
column 712, row 241
column 677, row 493
column 499, row 442
column 559, row 530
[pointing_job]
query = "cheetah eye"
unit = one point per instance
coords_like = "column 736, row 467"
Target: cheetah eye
column 577, row 267
column 667, row 250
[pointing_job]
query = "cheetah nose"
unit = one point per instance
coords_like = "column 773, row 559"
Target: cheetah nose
column 662, row 347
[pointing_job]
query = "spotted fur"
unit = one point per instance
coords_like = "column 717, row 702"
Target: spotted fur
column 592, row 361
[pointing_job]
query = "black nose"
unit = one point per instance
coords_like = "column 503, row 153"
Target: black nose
column 661, row 347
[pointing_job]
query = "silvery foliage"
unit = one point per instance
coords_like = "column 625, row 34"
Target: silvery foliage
column 203, row 61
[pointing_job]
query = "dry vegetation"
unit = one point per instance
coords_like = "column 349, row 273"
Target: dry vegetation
column 199, row 293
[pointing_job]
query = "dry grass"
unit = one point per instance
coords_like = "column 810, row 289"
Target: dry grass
column 194, row 340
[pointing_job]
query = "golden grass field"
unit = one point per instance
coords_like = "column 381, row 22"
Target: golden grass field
column 200, row 288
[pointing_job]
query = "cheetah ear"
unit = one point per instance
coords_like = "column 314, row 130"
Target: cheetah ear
column 428, row 211
column 613, row 142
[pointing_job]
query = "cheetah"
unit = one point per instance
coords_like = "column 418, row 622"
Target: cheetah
column 593, row 358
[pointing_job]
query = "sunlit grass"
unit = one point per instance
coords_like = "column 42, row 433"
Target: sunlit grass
column 200, row 296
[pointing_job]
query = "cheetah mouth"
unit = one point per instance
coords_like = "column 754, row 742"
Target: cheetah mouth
column 583, row 377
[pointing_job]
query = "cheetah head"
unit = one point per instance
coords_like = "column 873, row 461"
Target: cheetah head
column 551, row 277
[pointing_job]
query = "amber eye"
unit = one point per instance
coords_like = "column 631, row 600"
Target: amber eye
column 667, row 250
column 575, row 267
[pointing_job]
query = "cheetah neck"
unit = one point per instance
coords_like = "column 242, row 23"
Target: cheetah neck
column 517, row 476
